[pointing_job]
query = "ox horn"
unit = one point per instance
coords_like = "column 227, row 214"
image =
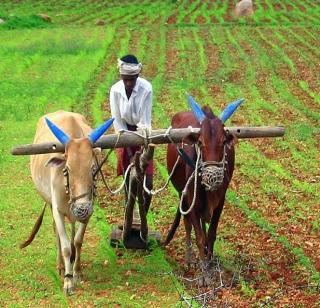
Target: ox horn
column 100, row 130
column 196, row 109
column 61, row 136
column 230, row 109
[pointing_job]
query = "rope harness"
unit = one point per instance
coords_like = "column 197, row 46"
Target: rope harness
column 81, row 210
column 212, row 176
column 145, row 136
column 212, row 173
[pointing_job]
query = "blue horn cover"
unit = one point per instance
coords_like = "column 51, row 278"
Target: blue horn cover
column 196, row 109
column 100, row 130
column 230, row 109
column 61, row 136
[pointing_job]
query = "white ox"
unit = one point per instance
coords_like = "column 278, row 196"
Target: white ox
column 66, row 181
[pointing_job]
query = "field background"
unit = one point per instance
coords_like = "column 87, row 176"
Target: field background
column 271, row 222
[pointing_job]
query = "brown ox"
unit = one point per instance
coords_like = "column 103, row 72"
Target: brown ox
column 215, row 167
column 66, row 181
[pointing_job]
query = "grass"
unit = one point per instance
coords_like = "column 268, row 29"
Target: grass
column 102, row 270
column 70, row 64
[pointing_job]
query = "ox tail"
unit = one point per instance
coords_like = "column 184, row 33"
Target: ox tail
column 173, row 228
column 35, row 229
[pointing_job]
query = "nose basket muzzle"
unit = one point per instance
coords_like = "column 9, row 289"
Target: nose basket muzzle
column 212, row 177
column 82, row 210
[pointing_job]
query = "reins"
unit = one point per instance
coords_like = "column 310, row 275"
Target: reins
column 211, row 172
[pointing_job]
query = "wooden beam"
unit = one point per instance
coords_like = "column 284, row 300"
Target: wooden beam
column 156, row 136
column 243, row 132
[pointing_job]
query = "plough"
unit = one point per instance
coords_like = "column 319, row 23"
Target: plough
column 134, row 231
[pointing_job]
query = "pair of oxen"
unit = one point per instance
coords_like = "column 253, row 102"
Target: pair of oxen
column 66, row 180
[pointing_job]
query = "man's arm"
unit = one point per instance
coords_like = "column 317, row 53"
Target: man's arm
column 118, row 123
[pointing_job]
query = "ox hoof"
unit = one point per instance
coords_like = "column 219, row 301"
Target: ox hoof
column 68, row 286
column 190, row 258
column 204, row 281
column 77, row 278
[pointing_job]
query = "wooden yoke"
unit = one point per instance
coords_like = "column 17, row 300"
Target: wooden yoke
column 128, row 139
column 137, row 172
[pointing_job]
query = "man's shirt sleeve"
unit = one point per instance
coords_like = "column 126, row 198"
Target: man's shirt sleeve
column 118, row 123
column 146, row 110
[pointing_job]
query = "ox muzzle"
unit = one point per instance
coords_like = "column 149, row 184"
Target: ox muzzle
column 212, row 177
column 212, row 173
column 82, row 211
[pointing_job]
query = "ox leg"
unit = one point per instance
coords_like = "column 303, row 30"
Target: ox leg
column 212, row 232
column 78, row 240
column 66, row 250
column 190, row 257
column 204, row 280
column 200, row 236
column 59, row 260
column 204, row 229
column 73, row 250
column 60, row 263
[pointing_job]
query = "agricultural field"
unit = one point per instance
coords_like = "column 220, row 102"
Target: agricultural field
column 269, row 234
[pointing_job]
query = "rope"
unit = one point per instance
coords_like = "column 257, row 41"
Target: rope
column 154, row 192
column 114, row 192
column 213, row 173
column 157, row 191
column 184, row 192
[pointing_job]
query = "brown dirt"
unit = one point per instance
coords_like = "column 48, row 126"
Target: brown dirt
column 213, row 64
column 305, row 71
column 187, row 18
column 172, row 19
column 289, row 7
column 271, row 266
column 229, row 16
column 200, row 20
column 274, row 273
column 277, row 6
column 214, row 19
column 264, row 5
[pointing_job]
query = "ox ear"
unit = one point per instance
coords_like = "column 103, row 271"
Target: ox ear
column 100, row 130
column 196, row 109
column 61, row 136
column 55, row 162
column 230, row 109
column 231, row 139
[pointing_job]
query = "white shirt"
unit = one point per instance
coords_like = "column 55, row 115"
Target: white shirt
column 136, row 110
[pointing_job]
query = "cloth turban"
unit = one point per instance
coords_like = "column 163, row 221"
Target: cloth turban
column 129, row 68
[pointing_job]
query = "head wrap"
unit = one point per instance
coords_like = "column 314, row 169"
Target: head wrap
column 129, row 68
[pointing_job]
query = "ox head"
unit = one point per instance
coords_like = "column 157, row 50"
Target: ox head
column 78, row 165
column 213, row 141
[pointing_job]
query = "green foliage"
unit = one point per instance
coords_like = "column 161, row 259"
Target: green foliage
column 72, row 64
column 23, row 22
column 246, row 290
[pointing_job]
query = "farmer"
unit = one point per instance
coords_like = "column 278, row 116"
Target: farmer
column 131, row 106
